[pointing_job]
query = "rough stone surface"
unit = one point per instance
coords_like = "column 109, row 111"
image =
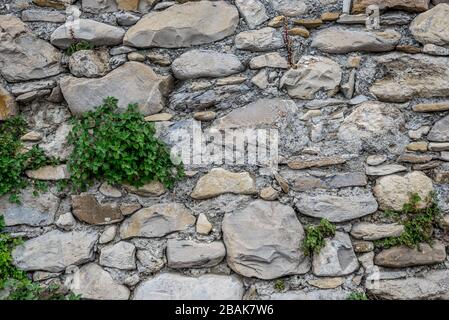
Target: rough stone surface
column 264, row 39
column 87, row 209
column 253, row 11
column 431, row 26
column 372, row 231
column 8, row 106
column 272, row 248
column 191, row 254
column 52, row 173
column 157, row 221
column 89, row 63
column 133, row 82
column 337, row 209
column 205, row 64
column 219, row 181
column 171, row 286
column 289, row 8
column 56, row 250
column 359, row 6
column 121, row 255
column 178, row 25
column 393, row 191
column 440, row 131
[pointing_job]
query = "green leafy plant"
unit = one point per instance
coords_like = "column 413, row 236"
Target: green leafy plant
column 418, row 223
column 119, row 148
column 279, row 285
column 315, row 237
column 78, row 46
column 357, row 296
column 15, row 160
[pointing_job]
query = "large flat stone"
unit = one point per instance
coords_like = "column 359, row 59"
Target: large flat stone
column 87, row 209
column 440, row 131
column 184, row 25
column 289, row 8
column 171, row 286
column 133, row 82
column 272, row 248
column 337, row 208
column 55, row 250
column 121, row 255
column 265, row 39
column 340, row 40
column 359, row 6
column 192, row 254
column 373, row 231
column 157, row 221
column 431, row 27
column 205, row 64
column 402, row 256
column 408, row 76
column 18, row 48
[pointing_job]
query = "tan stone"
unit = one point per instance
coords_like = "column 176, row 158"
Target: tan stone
column 299, row 31
column 277, row 22
column 220, row 181
column 203, row 226
column 8, row 106
column 49, row 173
column 431, row 107
column 269, row 193
column 129, row 208
column 306, row 164
column 363, row 246
column 309, row 23
column 128, row 5
column 330, row 16
column 57, row 4
column 414, row 158
column 408, row 49
column 420, row 146
column 327, row 283
column 402, row 256
column 431, row 27
column 151, row 189
column 359, row 6
column 354, row 61
column 282, row 182
column 204, row 115
column 87, row 209
column 159, row 117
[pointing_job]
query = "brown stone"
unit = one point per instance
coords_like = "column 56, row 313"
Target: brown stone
column 57, row 4
column 128, row 5
column 431, row 107
column 305, row 183
column 309, row 23
column 402, row 256
column 408, row 49
column 299, row 31
column 426, row 166
column 363, row 246
column 330, row 16
column 8, row 106
column 151, row 189
column 414, row 158
column 129, row 208
column 420, row 146
column 359, row 6
column 306, row 164
column 87, row 209
column 277, row 22
column 441, row 176
column 282, row 182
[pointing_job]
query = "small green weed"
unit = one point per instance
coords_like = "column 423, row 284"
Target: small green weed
column 118, row 148
column 78, row 46
column 357, row 296
column 279, row 285
column 315, row 236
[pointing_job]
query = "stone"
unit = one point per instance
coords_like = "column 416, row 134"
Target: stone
column 128, row 5
column 420, row 146
column 93, row 282
column 336, row 258
column 289, row 8
column 327, row 283
column 99, row 6
column 339, row 40
column 330, row 16
column 56, row 4
column 33, row 15
column 269, row 60
column 277, row 22
column 273, row 247
column 220, row 181
column 375, row 160
column 126, row 19
column 269, row 193
column 97, row 33
column 428, row 77
column 253, row 11
column 414, row 158
column 66, row 221
column 299, row 31
column 57, row 145
column 283, row 183
column 309, row 23
column 373, row 231
column 418, row 133
column 16, row 62
column 157, row 221
column 265, row 39
column 374, row 125
column 352, row 19
column 408, row 49
column 171, row 286
column 8, row 106
column 136, row 56
column 431, row 27
column 344, row 180
column 205, row 64
column 87, row 209
column 55, row 250
column 300, row 164
column 159, row 117
column 133, row 82
column 402, row 256
column 204, row 115
column 436, row 146
column 151, row 189
column 363, row 246
column 337, row 208
column 230, row 80
column 89, row 63
column 121, row 255
column 359, row 6
column 258, row 113
column 49, row 173
column 322, row 294
column 431, row 107
column 440, row 131
column 192, row 254
column 109, row 191
column 203, row 226
column 153, row 259
column 260, row 80
column 384, row 170
column 31, row 96
column 435, row 50
column 178, row 26
column 393, row 191
column 429, row 286
column 312, row 75
column 32, row 211
column 108, row 234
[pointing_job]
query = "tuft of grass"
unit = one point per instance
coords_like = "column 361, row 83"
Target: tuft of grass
column 119, row 148
column 315, row 237
column 78, row 46
column 357, row 296
column 418, row 223
column 279, row 285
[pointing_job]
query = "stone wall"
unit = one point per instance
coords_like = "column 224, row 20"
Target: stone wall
column 362, row 124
